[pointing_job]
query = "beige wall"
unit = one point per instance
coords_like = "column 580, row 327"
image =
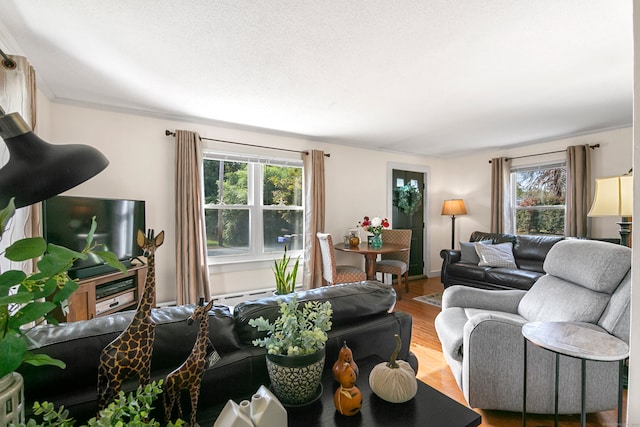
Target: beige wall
column 142, row 167
column 469, row 178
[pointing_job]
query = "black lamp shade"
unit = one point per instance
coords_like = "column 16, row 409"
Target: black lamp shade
column 37, row 170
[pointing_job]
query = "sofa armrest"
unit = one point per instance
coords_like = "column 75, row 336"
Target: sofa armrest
column 449, row 256
column 493, row 360
column 468, row 297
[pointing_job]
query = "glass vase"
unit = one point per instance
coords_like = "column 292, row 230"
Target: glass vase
column 376, row 241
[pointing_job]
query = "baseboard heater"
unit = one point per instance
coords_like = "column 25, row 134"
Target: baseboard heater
column 234, row 298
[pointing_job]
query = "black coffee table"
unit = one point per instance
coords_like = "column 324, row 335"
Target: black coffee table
column 428, row 408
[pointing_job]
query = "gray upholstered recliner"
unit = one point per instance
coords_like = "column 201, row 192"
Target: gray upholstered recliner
column 480, row 331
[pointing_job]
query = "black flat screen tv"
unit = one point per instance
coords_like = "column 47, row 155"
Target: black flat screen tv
column 67, row 220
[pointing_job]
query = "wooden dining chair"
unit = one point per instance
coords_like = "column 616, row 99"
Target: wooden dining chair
column 395, row 262
column 333, row 274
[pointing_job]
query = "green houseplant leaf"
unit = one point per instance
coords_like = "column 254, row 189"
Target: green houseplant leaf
column 285, row 280
column 26, row 298
column 300, row 329
column 25, row 249
column 131, row 409
column 10, row 278
column 111, row 259
column 12, row 347
column 6, row 214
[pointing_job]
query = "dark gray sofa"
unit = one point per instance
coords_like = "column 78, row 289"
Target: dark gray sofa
column 362, row 317
column 529, row 253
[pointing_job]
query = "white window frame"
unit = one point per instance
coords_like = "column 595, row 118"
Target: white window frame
column 255, row 167
column 513, row 186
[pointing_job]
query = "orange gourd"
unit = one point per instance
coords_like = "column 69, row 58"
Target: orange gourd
column 348, row 398
column 345, row 358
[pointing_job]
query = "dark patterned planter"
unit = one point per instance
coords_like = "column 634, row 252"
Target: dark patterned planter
column 295, row 380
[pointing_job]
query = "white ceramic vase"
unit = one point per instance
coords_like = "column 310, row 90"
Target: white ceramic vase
column 264, row 410
column 233, row 415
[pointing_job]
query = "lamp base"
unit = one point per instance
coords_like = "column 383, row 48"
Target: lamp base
column 453, row 232
column 625, row 231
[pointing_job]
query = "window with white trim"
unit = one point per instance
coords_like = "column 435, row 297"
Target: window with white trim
column 253, row 206
column 538, row 195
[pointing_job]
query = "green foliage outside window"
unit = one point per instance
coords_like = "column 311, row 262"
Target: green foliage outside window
column 282, row 186
column 540, row 200
column 230, row 207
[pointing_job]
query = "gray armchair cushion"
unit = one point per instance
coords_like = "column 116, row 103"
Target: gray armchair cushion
column 555, row 300
column 599, row 266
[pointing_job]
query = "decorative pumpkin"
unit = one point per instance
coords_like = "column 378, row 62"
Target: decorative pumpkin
column 347, row 377
column 348, row 398
column 394, row 381
column 345, row 358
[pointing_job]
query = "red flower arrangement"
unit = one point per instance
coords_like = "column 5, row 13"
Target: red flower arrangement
column 374, row 225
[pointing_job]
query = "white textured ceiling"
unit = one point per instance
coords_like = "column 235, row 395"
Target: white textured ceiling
column 431, row 77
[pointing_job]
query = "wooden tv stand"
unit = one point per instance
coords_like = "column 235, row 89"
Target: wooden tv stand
column 105, row 294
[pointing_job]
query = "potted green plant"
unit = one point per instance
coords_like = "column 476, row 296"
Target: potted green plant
column 285, row 280
column 295, row 344
column 131, row 409
column 26, row 298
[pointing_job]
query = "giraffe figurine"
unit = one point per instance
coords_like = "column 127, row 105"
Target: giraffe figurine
column 189, row 375
column 130, row 352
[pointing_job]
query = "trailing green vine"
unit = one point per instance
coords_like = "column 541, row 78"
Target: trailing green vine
column 408, row 199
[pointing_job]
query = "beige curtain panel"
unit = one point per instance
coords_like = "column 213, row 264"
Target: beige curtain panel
column 578, row 197
column 314, row 195
column 500, row 219
column 18, row 94
column 192, row 271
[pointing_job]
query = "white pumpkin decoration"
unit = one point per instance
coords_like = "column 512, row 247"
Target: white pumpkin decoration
column 394, row 381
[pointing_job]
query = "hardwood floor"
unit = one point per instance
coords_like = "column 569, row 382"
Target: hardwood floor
column 434, row 371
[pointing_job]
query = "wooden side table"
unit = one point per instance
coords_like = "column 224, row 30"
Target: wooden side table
column 578, row 340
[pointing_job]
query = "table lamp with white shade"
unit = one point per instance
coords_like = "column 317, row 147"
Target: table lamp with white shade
column 614, row 197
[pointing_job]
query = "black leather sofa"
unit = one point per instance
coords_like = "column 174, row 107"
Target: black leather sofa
column 362, row 316
column 529, row 253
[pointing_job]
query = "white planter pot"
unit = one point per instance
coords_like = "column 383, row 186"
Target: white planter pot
column 11, row 399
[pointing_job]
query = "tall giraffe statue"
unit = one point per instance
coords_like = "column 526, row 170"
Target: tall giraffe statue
column 130, row 352
column 189, row 375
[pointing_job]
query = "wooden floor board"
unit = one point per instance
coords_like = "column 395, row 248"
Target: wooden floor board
column 434, row 370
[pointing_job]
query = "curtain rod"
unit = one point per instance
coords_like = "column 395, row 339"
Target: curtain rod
column 593, row 147
column 169, row 133
column 7, row 62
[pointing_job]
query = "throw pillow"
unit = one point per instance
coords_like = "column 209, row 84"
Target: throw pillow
column 500, row 255
column 468, row 252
